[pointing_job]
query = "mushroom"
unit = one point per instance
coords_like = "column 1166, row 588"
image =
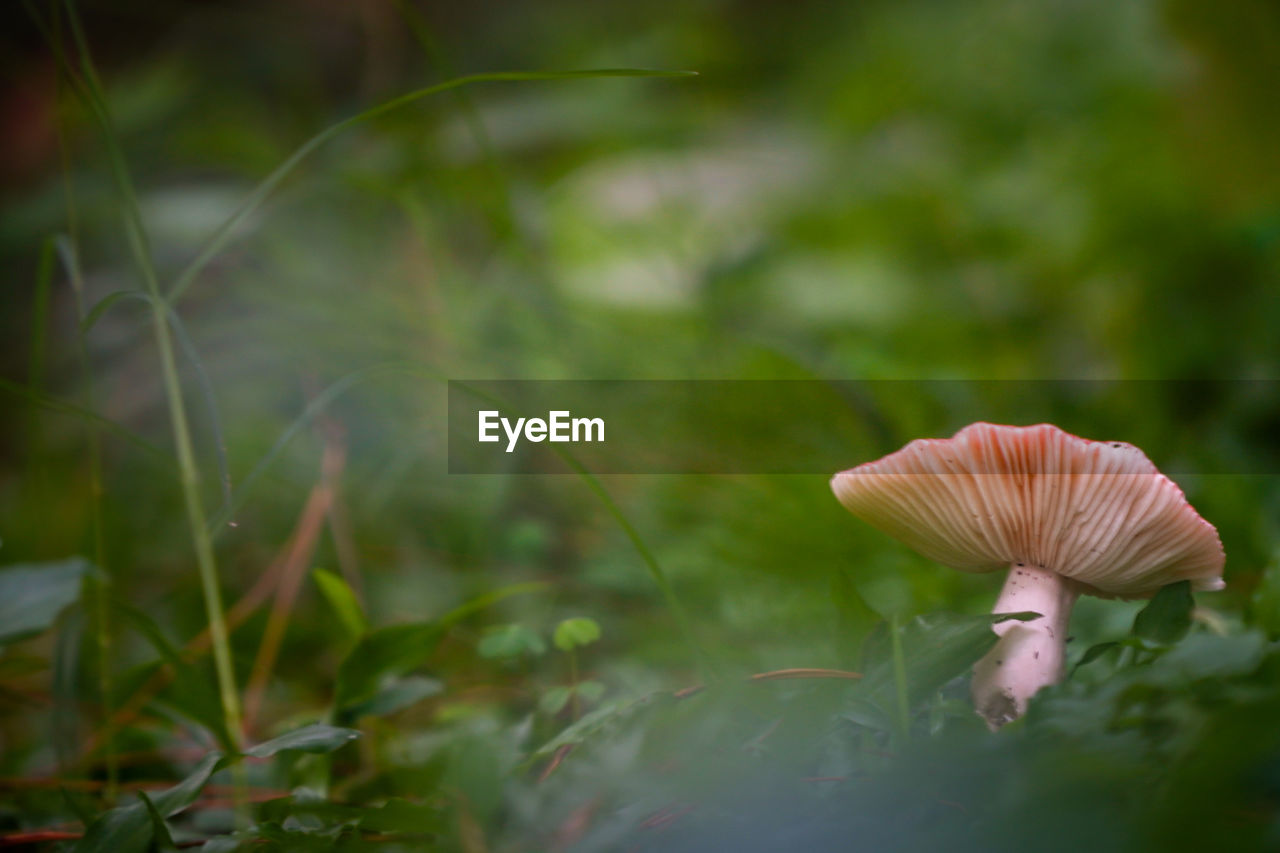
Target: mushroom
column 1064, row 514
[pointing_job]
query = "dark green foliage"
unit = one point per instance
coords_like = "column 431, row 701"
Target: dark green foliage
column 1167, row 618
column 137, row 827
column 131, row 829
column 381, row 655
column 341, row 211
column 317, row 738
column 937, row 646
column 32, row 596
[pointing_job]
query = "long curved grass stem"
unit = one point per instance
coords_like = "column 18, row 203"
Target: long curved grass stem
column 189, row 476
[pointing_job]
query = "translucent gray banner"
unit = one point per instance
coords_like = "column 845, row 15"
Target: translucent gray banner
column 824, row 426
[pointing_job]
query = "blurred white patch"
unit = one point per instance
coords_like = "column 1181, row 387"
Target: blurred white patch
column 189, row 214
column 843, row 288
column 631, row 281
column 641, row 230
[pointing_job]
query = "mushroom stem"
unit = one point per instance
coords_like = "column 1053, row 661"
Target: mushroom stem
column 1028, row 655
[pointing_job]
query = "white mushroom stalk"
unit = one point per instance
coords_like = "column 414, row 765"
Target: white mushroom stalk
column 1029, row 655
column 1063, row 514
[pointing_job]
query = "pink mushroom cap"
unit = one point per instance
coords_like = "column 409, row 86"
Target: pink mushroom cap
column 1098, row 512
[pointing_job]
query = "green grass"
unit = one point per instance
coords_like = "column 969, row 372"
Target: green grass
column 894, row 192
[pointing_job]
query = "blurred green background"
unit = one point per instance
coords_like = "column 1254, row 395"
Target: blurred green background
column 873, row 190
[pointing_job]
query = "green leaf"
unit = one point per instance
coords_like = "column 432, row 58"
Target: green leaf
column 600, row 720
column 483, row 602
column 316, row 738
column 866, row 713
column 159, row 829
column 129, row 829
column 33, row 594
column 937, row 647
column 338, row 593
column 1093, row 653
column 554, row 700
column 590, row 691
column 1207, row 656
column 192, row 691
column 82, row 811
column 382, row 655
column 1167, row 618
column 575, row 633
column 510, row 641
column 396, row 696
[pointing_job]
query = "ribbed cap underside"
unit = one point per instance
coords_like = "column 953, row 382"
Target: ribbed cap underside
column 1098, row 512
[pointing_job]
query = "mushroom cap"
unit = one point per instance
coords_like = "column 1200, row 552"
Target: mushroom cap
column 1098, row 512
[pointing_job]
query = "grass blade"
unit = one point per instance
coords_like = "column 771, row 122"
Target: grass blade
column 210, row 401
column 90, row 319
column 96, row 587
column 254, row 200
column 91, row 93
column 53, row 404
column 313, row 410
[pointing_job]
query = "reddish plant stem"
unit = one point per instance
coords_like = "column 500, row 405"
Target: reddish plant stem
column 300, row 551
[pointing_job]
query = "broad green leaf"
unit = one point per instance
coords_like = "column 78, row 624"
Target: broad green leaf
column 591, row 691
column 338, row 593
column 382, row 655
column 78, row 806
column 33, row 594
column 129, row 829
column 159, row 829
column 1207, row 656
column 575, row 633
column 554, row 700
column 317, row 738
column 488, row 599
column 396, row 696
column 1167, row 618
column 510, row 641
column 596, row 721
column 867, row 713
column 192, row 692
column 937, row 647
column 1093, row 653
